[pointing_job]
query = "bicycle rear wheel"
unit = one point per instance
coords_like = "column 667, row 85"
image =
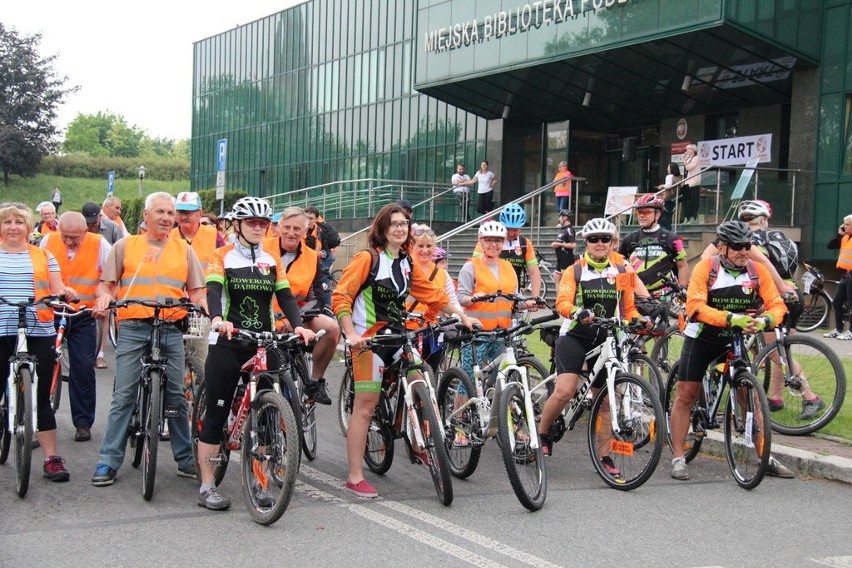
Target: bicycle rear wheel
column 5, row 433
column 634, row 451
column 23, row 430
column 809, row 364
column 816, row 306
column 667, row 349
column 455, row 389
column 310, row 440
column 270, row 457
column 112, row 330
column 748, row 431
column 151, row 433
column 56, row 386
column 697, row 428
column 292, row 394
column 199, row 410
column 524, row 464
column 435, row 448
column 345, row 398
column 378, row 452
column 643, row 366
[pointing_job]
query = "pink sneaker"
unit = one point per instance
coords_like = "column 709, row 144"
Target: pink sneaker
column 362, row 489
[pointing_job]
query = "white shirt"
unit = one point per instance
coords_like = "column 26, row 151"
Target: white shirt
column 456, row 180
column 484, row 181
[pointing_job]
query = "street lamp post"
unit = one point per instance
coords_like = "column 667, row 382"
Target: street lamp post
column 141, row 170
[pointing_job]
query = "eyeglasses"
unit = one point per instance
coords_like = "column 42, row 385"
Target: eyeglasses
column 598, row 239
column 739, row 246
column 492, row 240
column 399, row 224
column 205, row 223
column 257, row 222
column 418, row 232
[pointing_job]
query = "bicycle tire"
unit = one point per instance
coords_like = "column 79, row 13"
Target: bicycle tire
column 456, row 383
column 199, row 411
column 643, row 366
column 291, row 393
column 134, row 430
column 151, row 433
column 692, row 444
column 270, row 451
column 23, row 431
column 56, row 387
column 824, row 374
column 345, row 399
column 379, row 449
column 436, row 449
column 816, row 310
column 307, row 408
column 747, row 454
column 5, row 433
column 666, row 351
column 524, row 465
column 635, row 450
column 537, row 373
column 112, row 330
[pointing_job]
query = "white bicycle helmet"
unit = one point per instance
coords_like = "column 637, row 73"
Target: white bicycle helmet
column 754, row 208
column 251, row 208
column 598, row 226
column 492, row 229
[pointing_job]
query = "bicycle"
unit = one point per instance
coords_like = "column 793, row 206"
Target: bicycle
column 407, row 410
column 64, row 312
column 747, row 426
column 263, row 427
column 524, row 283
column 632, row 429
column 804, row 364
column 148, row 418
column 198, row 328
column 817, row 302
column 18, row 412
column 465, row 406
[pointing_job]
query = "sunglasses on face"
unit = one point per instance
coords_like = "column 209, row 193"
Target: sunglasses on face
column 418, row 232
column 739, row 246
column 598, row 239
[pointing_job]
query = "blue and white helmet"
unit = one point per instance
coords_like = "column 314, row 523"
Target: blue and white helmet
column 513, row 216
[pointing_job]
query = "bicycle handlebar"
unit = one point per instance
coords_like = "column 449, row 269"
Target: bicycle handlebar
column 391, row 339
column 511, row 297
column 168, row 304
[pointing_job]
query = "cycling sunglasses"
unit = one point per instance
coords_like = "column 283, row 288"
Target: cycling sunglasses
column 598, row 239
column 738, row 246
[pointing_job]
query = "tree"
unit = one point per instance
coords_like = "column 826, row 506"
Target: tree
column 30, row 92
column 103, row 134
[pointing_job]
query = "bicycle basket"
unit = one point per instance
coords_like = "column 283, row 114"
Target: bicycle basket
column 198, row 326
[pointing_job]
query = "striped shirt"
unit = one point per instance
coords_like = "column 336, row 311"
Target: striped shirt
column 16, row 285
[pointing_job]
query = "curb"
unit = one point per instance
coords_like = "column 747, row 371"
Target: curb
column 802, row 462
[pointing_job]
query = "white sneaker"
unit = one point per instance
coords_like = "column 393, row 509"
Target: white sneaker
column 845, row 336
column 832, row 334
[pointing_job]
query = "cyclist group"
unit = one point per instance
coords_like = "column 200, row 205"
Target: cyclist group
column 242, row 284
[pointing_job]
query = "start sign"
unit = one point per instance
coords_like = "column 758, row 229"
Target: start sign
column 735, row 151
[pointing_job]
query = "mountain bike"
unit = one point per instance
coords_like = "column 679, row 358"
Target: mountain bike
column 263, row 427
column 746, row 420
column 148, row 418
column 497, row 402
column 630, row 430
column 407, row 410
column 65, row 312
column 18, row 409
column 817, row 301
column 805, row 365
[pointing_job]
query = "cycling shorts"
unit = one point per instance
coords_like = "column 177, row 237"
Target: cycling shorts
column 571, row 353
column 696, row 357
column 368, row 366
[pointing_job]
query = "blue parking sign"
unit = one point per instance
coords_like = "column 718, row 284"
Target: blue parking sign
column 110, row 182
column 221, row 154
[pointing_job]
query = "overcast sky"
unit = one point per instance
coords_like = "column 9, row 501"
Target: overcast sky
column 131, row 58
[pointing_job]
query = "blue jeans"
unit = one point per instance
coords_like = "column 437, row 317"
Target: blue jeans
column 562, row 202
column 133, row 341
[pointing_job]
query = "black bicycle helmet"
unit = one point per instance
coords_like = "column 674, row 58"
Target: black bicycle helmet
column 734, row 232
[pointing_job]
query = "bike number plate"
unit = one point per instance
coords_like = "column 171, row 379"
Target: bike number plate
column 622, row 448
column 807, row 280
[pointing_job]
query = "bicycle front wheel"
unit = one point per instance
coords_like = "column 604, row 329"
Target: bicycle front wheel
column 626, row 458
column 112, row 330
column 135, row 433
column 817, row 307
column 292, row 394
column 424, row 408
column 748, row 431
column 524, row 464
column 199, row 410
column 5, row 434
column 23, row 430
column 806, row 366
column 151, row 433
column 463, row 442
column 310, row 439
column 270, row 452
column 697, row 428
column 345, row 398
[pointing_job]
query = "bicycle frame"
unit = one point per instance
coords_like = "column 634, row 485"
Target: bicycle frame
column 20, row 359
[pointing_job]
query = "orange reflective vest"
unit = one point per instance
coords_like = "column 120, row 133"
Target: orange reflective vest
column 152, row 273
column 41, row 281
column 301, row 273
column 499, row 312
column 844, row 261
column 81, row 272
column 203, row 243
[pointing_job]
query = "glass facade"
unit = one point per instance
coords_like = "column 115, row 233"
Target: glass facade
column 323, row 92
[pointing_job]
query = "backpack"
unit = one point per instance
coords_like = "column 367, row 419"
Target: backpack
column 783, row 252
column 328, row 236
column 715, row 263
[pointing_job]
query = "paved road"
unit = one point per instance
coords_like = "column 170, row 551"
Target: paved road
column 708, row 521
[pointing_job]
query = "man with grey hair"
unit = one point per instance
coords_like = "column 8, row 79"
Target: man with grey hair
column 111, row 209
column 143, row 267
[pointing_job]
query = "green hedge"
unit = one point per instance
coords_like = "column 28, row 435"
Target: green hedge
column 85, row 166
